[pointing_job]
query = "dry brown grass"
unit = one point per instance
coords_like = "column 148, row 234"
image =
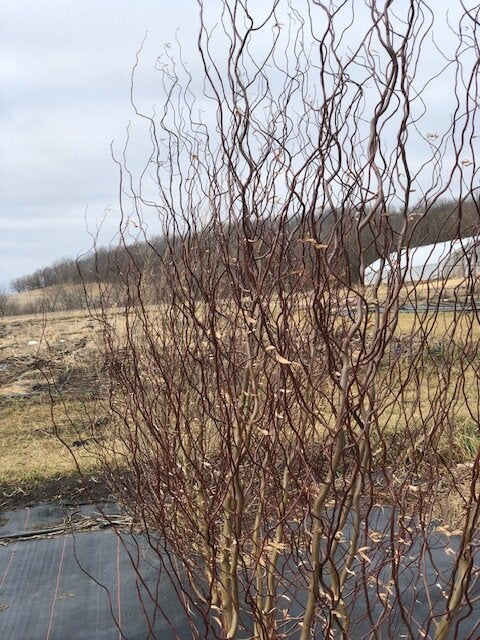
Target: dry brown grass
column 440, row 325
column 432, row 290
column 31, row 452
column 38, row 299
column 40, row 356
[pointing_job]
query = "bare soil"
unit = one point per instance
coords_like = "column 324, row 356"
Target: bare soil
column 65, row 490
column 49, row 368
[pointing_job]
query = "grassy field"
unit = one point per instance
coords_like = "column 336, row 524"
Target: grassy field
column 51, row 386
column 39, row 358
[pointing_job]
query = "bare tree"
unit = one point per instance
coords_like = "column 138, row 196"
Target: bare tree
column 4, row 303
column 288, row 438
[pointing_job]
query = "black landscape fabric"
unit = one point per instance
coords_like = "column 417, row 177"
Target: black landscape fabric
column 83, row 586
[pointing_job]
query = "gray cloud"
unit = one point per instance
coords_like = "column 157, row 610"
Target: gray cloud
column 65, row 76
column 65, row 71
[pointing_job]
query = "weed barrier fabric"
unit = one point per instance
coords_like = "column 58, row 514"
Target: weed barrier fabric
column 46, row 593
column 84, row 586
column 45, row 516
column 81, row 586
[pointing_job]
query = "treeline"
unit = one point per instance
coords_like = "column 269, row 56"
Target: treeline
column 59, row 298
column 102, row 265
column 444, row 221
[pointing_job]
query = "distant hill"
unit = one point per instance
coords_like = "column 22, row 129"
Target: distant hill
column 60, row 286
column 102, row 265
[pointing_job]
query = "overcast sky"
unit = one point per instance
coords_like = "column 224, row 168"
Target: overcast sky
column 65, row 75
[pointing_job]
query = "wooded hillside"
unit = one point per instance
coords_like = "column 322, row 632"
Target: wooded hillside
column 115, row 265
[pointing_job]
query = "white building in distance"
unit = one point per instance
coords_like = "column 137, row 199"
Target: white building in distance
column 439, row 261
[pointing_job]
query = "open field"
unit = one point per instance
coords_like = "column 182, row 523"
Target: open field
column 39, row 358
column 52, row 384
column 54, row 392
column 50, row 299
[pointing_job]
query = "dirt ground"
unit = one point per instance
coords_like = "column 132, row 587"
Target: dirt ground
column 50, row 383
column 67, row 490
column 52, row 388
